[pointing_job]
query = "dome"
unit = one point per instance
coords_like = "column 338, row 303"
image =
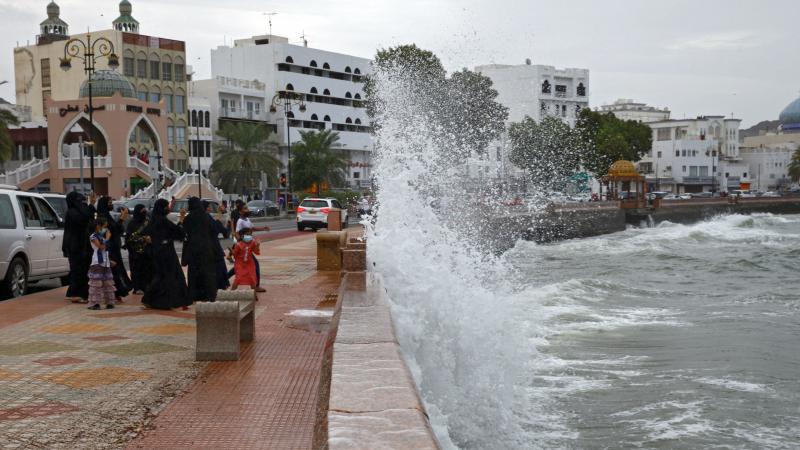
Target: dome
column 791, row 114
column 53, row 11
column 622, row 168
column 125, row 7
column 105, row 83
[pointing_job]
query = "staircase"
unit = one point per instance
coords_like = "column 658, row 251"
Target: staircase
column 27, row 174
column 185, row 185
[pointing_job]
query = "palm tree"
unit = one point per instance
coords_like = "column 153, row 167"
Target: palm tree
column 794, row 166
column 246, row 152
column 315, row 162
column 6, row 144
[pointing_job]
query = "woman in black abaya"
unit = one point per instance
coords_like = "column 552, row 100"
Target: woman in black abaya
column 200, row 252
column 122, row 283
column 139, row 255
column 75, row 245
column 167, row 288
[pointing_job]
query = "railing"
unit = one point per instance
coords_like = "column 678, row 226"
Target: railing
column 25, row 172
column 242, row 114
column 698, row 180
column 136, row 163
column 100, row 162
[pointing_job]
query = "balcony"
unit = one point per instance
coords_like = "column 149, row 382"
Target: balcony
column 734, row 182
column 238, row 114
column 701, row 180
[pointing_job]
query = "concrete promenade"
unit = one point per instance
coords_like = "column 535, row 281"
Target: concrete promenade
column 126, row 378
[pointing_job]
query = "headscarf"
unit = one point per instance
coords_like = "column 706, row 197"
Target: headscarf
column 195, row 205
column 139, row 214
column 103, row 209
column 160, row 208
column 75, row 200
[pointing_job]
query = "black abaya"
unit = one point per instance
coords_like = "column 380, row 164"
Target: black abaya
column 167, row 288
column 200, row 252
column 75, row 244
column 139, row 254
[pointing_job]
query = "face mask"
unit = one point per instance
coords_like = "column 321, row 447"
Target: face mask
column 247, row 238
column 103, row 231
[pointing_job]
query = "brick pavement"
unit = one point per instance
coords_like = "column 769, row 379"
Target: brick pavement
column 72, row 378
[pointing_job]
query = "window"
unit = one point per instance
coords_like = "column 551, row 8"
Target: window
column 704, row 171
column 327, row 118
column 326, row 66
column 289, row 60
column 168, row 102
column 49, row 218
column 180, row 135
column 155, row 69
column 356, row 175
column 193, row 119
column 313, row 90
column 358, row 121
column 208, row 120
column 314, row 117
column 155, row 97
column 357, row 96
column 684, row 169
column 128, row 66
column 289, row 87
column 171, row 135
column 677, row 153
column 663, row 134
column 563, row 110
column 208, row 148
column 581, row 90
column 45, row 98
column 683, row 152
column 357, row 71
column 7, row 219
column 326, row 92
column 45, row 71
column 744, row 175
column 546, row 87
column 30, row 218
column 141, row 68
column 180, row 102
column 348, row 95
column 694, row 152
column 348, row 120
column 166, row 69
column 659, row 154
column 313, row 63
column 180, row 72
column 693, row 171
column 142, row 95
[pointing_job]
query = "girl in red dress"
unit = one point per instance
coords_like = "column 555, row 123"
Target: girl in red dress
column 244, row 260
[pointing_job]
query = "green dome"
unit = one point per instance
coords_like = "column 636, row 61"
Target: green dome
column 791, row 114
column 105, row 83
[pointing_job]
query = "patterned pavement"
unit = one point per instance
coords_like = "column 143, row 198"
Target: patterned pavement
column 73, row 378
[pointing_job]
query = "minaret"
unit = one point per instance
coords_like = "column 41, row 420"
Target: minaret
column 53, row 28
column 125, row 22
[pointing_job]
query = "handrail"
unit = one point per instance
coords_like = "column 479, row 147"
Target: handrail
column 25, row 172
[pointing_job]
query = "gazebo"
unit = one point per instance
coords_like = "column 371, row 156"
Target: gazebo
column 626, row 185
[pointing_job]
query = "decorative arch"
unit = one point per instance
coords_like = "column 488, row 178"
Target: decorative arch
column 290, row 115
column 314, row 117
column 290, row 60
column 326, row 92
column 357, row 96
column 84, row 119
column 358, row 121
column 167, row 90
column 314, row 90
column 128, row 53
column 348, row 120
column 313, row 63
column 348, row 69
column 141, row 55
column 327, row 118
column 326, row 66
column 147, row 125
column 289, row 87
column 357, row 71
column 154, row 57
column 348, row 95
column 178, row 60
column 167, row 59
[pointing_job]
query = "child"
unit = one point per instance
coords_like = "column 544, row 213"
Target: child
column 244, row 260
column 101, row 279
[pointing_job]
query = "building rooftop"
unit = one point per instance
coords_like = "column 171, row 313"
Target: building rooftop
column 791, row 114
column 105, row 83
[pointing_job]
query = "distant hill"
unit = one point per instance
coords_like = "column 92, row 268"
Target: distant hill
column 760, row 128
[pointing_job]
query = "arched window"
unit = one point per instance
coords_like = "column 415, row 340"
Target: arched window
column 358, row 96
column 358, row 122
column 290, row 115
column 581, row 90
column 289, row 87
column 348, row 95
column 347, row 69
column 289, row 60
column 357, row 71
column 546, row 87
column 194, row 118
column 326, row 92
column 314, row 90
column 327, row 118
column 314, row 117
column 313, row 63
column 208, row 119
column 348, row 120
column 326, row 66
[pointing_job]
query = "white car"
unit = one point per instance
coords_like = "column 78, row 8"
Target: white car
column 313, row 213
column 771, row 194
column 685, row 196
column 30, row 242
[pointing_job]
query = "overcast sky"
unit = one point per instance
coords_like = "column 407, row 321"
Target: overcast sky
column 695, row 57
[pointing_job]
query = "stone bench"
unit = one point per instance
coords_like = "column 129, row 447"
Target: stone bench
column 223, row 324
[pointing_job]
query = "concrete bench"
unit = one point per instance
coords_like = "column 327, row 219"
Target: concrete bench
column 223, row 324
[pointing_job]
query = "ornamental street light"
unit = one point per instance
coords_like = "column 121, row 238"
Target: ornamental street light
column 89, row 52
column 287, row 99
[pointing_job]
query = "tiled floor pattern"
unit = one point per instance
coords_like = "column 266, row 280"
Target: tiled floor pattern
column 71, row 378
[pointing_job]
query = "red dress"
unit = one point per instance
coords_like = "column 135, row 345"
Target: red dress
column 243, row 264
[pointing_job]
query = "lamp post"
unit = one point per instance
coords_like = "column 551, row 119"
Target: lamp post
column 287, row 99
column 89, row 51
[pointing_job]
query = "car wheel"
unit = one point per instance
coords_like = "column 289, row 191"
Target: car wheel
column 16, row 282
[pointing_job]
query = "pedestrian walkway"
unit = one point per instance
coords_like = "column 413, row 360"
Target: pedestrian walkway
column 73, row 378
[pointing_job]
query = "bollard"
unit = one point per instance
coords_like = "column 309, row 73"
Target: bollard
column 354, row 260
column 329, row 250
column 335, row 220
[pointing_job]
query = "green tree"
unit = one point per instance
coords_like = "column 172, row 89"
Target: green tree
column 794, row 166
column 6, row 144
column 605, row 139
column 314, row 161
column 548, row 150
column 246, row 152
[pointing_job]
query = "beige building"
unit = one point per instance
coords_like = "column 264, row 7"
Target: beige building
column 156, row 67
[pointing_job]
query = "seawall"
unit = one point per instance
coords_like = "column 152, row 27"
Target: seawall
column 692, row 211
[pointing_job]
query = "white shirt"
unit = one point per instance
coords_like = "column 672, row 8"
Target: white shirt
column 243, row 223
column 96, row 256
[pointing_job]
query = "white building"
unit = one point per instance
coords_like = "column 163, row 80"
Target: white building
column 534, row 91
column 201, row 134
column 627, row 109
column 769, row 166
column 696, row 155
column 259, row 71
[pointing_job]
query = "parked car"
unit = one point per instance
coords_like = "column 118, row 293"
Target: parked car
column 702, row 194
column 656, row 194
column 672, row 197
column 685, row 196
column 313, row 213
column 30, row 242
column 263, row 208
column 183, row 203
column 58, row 202
column 147, row 202
column 771, row 194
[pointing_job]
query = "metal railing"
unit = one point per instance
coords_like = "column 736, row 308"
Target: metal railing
column 227, row 113
column 100, row 162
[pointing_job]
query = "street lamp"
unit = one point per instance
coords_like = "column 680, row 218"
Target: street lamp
column 287, row 99
column 89, row 52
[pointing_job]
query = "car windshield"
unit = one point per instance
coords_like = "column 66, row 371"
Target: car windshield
column 256, row 204
column 314, row 204
column 59, row 204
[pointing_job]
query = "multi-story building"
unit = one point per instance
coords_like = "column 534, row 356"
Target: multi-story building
column 627, row 109
column 769, row 155
column 534, row 91
column 256, row 72
column 696, row 155
column 155, row 66
column 200, row 134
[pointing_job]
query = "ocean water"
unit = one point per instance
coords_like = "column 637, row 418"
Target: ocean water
column 678, row 336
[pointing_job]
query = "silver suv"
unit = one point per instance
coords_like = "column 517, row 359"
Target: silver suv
column 30, row 242
column 313, row 213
